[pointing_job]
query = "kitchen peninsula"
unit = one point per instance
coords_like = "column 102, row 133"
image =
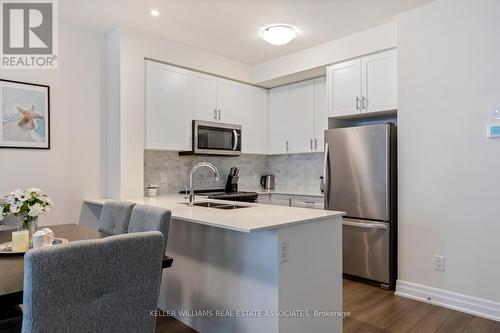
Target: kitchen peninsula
column 258, row 268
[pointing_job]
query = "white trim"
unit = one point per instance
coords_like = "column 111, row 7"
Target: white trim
column 449, row 299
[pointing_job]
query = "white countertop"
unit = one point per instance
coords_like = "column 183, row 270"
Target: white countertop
column 255, row 218
column 293, row 192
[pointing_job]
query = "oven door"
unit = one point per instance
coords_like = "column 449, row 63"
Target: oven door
column 212, row 138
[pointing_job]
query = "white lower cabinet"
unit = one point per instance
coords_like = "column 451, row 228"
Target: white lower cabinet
column 314, row 202
column 280, row 200
column 308, row 202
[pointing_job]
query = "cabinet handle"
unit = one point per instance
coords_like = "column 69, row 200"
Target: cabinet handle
column 219, row 115
column 357, row 103
column 290, row 202
column 316, row 144
column 215, row 114
column 286, row 145
column 311, row 143
column 363, row 105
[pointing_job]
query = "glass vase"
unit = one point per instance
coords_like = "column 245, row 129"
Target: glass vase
column 27, row 223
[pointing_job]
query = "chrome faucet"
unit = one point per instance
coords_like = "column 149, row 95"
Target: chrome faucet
column 191, row 174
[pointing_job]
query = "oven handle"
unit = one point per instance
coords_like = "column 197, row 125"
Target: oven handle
column 235, row 145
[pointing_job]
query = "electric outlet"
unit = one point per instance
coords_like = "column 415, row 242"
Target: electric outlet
column 495, row 112
column 284, row 252
column 439, row 263
column 163, row 177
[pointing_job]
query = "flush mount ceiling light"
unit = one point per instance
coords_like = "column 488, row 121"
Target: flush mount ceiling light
column 279, row 34
column 154, row 12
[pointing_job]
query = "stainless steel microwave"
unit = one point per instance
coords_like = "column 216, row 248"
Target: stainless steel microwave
column 213, row 138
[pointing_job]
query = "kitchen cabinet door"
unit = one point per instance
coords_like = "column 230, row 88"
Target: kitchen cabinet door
column 320, row 114
column 254, row 120
column 308, row 202
column 279, row 120
column 302, row 117
column 280, row 200
column 345, row 88
column 204, row 97
column 229, row 97
column 169, row 108
column 379, row 82
column 264, row 198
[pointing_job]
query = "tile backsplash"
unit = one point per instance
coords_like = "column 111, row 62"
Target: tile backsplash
column 299, row 172
column 174, row 170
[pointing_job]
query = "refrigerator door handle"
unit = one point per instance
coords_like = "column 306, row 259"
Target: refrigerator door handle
column 366, row 225
column 326, row 176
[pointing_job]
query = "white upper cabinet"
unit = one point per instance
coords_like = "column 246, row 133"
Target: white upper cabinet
column 366, row 84
column 345, row 85
column 176, row 96
column 298, row 117
column 287, row 119
column 229, row 101
column 279, row 120
column 204, row 97
column 302, row 117
column 379, row 89
column 169, row 107
column 254, row 120
column 320, row 113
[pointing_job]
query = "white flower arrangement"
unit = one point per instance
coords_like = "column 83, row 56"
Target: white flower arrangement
column 27, row 205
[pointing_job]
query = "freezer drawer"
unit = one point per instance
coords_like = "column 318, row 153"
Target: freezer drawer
column 366, row 251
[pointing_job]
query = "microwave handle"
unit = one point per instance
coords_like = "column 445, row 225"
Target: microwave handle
column 235, row 135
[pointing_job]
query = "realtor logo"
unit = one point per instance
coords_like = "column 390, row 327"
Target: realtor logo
column 29, row 34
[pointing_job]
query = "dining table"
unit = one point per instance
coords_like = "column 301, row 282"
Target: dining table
column 12, row 266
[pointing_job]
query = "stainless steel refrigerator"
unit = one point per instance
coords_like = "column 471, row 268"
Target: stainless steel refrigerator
column 360, row 177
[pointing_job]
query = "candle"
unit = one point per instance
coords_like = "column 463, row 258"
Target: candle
column 20, row 241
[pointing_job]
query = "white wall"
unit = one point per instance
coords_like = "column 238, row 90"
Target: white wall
column 369, row 41
column 449, row 74
column 128, row 103
column 71, row 170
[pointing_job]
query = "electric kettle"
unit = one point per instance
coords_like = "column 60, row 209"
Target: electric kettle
column 267, row 182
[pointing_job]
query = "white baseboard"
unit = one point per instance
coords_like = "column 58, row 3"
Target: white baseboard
column 448, row 299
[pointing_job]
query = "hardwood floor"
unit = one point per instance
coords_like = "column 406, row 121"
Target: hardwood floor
column 171, row 325
column 374, row 310
column 377, row 310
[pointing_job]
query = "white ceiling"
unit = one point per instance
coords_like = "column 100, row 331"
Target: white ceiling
column 230, row 28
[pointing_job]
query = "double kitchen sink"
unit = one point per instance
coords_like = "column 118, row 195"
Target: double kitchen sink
column 218, row 205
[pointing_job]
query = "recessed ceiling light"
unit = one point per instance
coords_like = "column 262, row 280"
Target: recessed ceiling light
column 154, row 12
column 279, row 34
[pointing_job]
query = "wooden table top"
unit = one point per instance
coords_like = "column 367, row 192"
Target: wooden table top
column 12, row 267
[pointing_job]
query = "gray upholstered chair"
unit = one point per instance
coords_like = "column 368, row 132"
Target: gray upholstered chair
column 149, row 218
column 104, row 285
column 115, row 217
